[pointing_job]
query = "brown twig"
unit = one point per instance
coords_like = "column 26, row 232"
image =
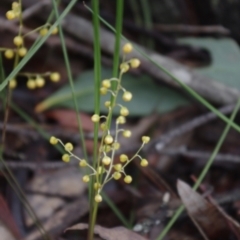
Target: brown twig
column 161, row 142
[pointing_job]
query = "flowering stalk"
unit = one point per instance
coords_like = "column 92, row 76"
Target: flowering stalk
column 106, row 170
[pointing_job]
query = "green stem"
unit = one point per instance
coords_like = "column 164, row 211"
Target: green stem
column 203, row 173
column 97, row 82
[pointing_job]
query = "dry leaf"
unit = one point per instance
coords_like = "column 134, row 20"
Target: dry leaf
column 207, row 218
column 116, row 233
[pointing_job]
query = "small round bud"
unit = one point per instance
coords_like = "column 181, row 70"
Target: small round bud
column 12, row 83
column 127, row 96
column 98, row 198
column 55, row 31
column 18, row 41
column 66, row 157
column 95, row 118
column 118, row 167
column 40, row 82
column 121, row 120
column 123, row 158
column 54, row 77
column 107, row 148
column 53, row 140
column 31, row 84
column 127, row 48
column 124, row 67
column 103, row 90
column 108, row 139
column 15, row 5
column 106, row 83
column 145, row 139
column 127, row 133
column 107, row 104
column 103, row 126
column 86, row 178
column 106, row 160
column 43, row 31
column 83, row 163
column 10, row 15
column 97, row 185
column 100, row 170
column 128, row 179
column 124, row 111
column 116, row 145
column 68, row 147
column 22, row 51
column 135, row 63
column 117, row 175
column 9, row 53
column 144, row 162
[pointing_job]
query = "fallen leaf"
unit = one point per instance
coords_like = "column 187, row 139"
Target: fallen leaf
column 68, row 118
column 116, row 233
column 207, row 218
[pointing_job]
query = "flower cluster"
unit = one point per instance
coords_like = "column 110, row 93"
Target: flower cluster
column 19, row 50
column 106, row 169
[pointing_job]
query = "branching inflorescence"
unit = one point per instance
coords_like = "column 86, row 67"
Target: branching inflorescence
column 34, row 80
column 106, row 169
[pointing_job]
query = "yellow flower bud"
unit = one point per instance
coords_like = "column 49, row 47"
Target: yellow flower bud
column 103, row 90
column 31, row 84
column 98, row 198
column 22, row 51
column 83, row 163
column 128, row 179
column 106, row 160
column 123, row 158
column 18, row 41
column 108, row 139
column 116, row 145
column 9, row 53
column 124, row 67
column 118, row 167
column 144, row 162
column 66, row 157
column 103, row 126
column 10, row 15
column 145, row 139
column 86, row 178
column 124, row 111
column 55, row 31
column 107, row 104
column 135, row 63
column 12, row 83
column 100, row 170
column 127, row 48
column 54, row 77
column 117, row 175
column 127, row 96
column 43, row 31
column 127, row 133
column 40, row 82
column 106, row 83
column 97, row 185
column 95, row 118
column 121, row 120
column 53, row 140
column 68, row 147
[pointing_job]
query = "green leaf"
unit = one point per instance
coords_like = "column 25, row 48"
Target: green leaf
column 147, row 96
column 225, row 56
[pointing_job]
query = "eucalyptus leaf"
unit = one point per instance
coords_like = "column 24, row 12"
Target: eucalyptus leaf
column 147, row 96
column 225, row 54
